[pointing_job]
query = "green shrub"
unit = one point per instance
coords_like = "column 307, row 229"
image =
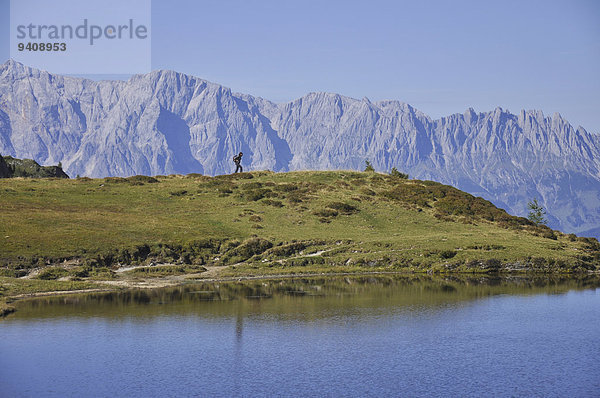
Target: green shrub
column 304, row 261
column 247, row 249
column 397, row 174
column 256, row 194
column 142, row 179
column 343, row 208
column 274, row 203
column 166, row 270
column 287, row 250
column 295, row 197
column 285, row 187
column 115, row 180
column 326, row 213
column 549, row 235
column 367, row 191
column 52, row 273
column 446, row 254
column 492, row 264
column 12, row 273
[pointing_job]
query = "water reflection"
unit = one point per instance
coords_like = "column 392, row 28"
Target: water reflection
column 348, row 336
column 302, row 298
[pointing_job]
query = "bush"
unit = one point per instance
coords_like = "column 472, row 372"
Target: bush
column 256, row 194
column 285, row 187
column 447, row 254
column 52, row 273
column 397, row 174
column 326, row 213
column 537, row 212
column 295, row 197
column 549, row 235
column 251, row 185
column 367, row 191
column 369, row 167
column 247, row 249
column 115, row 180
column 274, row 203
column 287, row 250
column 304, row 261
column 12, row 273
column 492, row 264
column 343, row 208
column 166, row 270
column 142, row 179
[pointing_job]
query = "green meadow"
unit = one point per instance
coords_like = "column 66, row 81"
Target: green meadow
column 265, row 223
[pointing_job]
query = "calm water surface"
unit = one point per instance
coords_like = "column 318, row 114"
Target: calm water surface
column 360, row 336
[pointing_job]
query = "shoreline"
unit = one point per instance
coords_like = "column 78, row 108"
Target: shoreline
column 159, row 283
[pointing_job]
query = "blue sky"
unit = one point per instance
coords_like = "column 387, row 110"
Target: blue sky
column 440, row 56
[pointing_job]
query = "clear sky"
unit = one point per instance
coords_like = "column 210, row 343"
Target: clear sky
column 439, row 56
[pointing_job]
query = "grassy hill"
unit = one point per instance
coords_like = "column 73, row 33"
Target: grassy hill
column 61, row 234
column 12, row 167
column 263, row 222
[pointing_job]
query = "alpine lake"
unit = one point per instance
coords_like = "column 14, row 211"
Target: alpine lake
column 346, row 336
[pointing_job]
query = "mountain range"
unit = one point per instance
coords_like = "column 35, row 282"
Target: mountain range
column 166, row 122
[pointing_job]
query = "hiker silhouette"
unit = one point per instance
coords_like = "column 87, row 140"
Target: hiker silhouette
column 237, row 160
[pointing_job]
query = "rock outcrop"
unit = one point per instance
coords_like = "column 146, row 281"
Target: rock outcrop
column 11, row 167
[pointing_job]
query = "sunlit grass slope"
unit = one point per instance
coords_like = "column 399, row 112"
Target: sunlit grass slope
column 267, row 222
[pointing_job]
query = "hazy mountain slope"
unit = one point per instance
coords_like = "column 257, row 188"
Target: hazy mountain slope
column 166, row 122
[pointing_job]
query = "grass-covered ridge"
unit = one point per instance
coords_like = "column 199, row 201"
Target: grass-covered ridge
column 12, row 167
column 269, row 223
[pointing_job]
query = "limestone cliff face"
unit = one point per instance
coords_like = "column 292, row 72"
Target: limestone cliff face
column 166, row 122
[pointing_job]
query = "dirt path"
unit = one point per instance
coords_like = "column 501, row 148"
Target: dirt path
column 212, row 272
column 125, row 269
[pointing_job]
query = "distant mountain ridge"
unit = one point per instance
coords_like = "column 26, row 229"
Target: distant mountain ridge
column 166, row 122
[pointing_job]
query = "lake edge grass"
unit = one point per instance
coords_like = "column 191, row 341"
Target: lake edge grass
column 268, row 223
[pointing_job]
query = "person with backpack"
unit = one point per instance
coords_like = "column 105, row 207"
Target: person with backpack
column 238, row 160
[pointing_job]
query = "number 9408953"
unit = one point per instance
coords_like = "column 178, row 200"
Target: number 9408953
column 42, row 47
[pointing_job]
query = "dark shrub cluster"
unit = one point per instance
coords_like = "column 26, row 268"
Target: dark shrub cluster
column 285, row 187
column 304, row 261
column 287, row 250
column 446, row 254
column 274, row 203
column 395, row 173
column 296, row 197
column 326, row 213
column 343, row 208
column 52, row 273
column 141, row 180
column 115, row 180
column 247, row 249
